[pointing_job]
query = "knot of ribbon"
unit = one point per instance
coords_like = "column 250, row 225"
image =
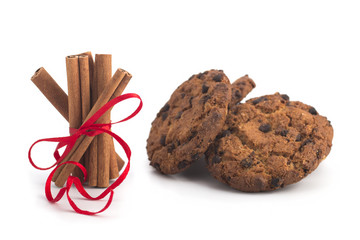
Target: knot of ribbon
column 88, row 128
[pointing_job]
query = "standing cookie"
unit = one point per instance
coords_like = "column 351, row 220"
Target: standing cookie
column 240, row 89
column 189, row 122
column 269, row 142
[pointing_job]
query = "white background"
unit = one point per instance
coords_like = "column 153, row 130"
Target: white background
column 309, row 50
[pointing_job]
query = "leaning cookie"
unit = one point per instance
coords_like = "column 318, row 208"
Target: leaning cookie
column 269, row 142
column 240, row 89
column 189, row 122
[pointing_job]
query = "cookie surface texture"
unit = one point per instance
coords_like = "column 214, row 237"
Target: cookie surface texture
column 189, row 122
column 269, row 142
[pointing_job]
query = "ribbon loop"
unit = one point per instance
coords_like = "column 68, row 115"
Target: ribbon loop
column 89, row 128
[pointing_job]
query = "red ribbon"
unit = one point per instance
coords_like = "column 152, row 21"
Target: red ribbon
column 89, row 128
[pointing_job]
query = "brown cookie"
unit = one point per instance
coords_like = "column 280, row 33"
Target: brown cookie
column 189, row 122
column 269, row 142
column 240, row 89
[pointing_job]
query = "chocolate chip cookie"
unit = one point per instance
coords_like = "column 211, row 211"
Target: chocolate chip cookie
column 189, row 122
column 269, row 142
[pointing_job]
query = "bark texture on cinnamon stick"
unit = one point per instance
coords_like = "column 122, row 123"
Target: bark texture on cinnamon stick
column 52, row 91
column 92, row 167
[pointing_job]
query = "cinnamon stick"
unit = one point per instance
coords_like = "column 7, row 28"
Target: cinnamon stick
column 52, row 91
column 102, row 76
column 92, row 164
column 74, row 97
column 84, row 75
column 119, row 160
column 83, row 142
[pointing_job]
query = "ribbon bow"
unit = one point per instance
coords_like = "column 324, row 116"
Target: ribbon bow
column 89, row 128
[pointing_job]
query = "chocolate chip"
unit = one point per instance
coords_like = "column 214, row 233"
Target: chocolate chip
column 284, row 132
column 228, row 179
column 275, row 182
column 305, row 171
column 171, row 148
column 218, row 77
column 285, row 97
column 183, row 164
column 246, row 162
column 313, row 111
column 265, row 128
column 200, row 75
column 193, row 134
column 258, row 100
column 165, row 108
column 163, row 140
column 216, row 159
column 238, row 94
column 205, row 98
column 164, row 116
column 190, row 101
column 178, row 115
column 204, row 88
column 307, row 141
column 298, row 138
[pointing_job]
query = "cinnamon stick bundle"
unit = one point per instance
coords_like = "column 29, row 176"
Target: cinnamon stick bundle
column 82, row 82
column 116, row 85
column 59, row 99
